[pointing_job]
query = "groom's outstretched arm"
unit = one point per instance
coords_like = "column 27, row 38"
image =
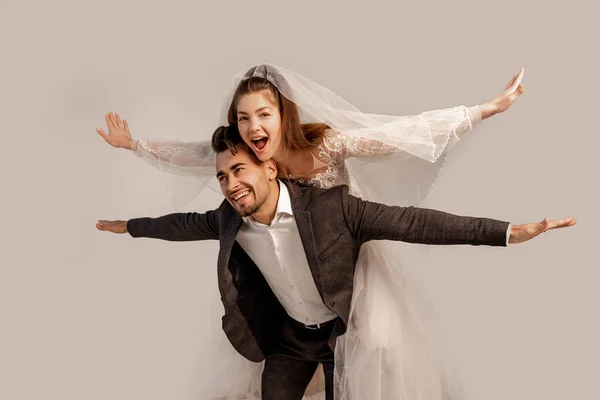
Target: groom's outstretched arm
column 374, row 221
column 173, row 227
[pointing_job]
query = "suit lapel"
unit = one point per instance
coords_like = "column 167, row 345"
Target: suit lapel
column 228, row 237
column 305, row 229
column 227, row 240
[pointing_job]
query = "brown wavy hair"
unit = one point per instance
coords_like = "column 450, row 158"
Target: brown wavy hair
column 295, row 135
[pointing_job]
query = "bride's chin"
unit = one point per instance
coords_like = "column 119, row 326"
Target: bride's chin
column 263, row 157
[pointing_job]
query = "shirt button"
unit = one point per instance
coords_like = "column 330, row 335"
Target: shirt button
column 293, row 286
column 299, row 303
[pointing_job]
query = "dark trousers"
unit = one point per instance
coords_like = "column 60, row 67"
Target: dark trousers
column 294, row 358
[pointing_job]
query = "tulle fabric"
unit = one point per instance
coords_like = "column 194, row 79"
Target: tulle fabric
column 390, row 350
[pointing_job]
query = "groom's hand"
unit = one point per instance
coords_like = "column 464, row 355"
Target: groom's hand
column 112, row 226
column 525, row 232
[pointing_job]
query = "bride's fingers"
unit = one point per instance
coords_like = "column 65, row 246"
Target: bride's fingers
column 103, row 134
column 518, row 79
column 111, row 122
column 126, row 125
column 114, row 120
column 514, row 83
column 113, row 117
column 119, row 121
column 512, row 80
column 108, row 121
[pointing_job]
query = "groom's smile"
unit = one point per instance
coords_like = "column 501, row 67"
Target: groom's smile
column 241, row 199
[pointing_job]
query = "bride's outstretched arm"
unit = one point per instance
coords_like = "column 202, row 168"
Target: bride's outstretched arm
column 500, row 103
column 426, row 135
column 182, row 158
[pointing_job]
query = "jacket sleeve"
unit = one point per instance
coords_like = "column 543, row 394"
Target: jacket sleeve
column 177, row 227
column 374, row 221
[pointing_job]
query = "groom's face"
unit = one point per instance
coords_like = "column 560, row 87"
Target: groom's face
column 245, row 181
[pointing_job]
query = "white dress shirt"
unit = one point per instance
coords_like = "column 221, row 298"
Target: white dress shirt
column 278, row 252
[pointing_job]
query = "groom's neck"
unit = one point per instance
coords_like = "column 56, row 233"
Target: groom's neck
column 266, row 212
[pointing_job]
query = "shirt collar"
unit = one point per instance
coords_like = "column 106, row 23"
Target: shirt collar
column 284, row 204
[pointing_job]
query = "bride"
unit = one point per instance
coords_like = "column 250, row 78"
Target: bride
column 389, row 350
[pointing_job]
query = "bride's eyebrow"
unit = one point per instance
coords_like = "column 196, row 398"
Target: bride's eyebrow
column 258, row 110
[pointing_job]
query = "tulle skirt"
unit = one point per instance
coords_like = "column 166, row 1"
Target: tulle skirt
column 390, row 350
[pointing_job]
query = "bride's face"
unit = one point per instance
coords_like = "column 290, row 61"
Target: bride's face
column 259, row 123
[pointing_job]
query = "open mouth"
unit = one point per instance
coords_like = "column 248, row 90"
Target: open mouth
column 240, row 196
column 260, row 143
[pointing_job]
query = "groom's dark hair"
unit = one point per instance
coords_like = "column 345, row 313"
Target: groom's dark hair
column 228, row 138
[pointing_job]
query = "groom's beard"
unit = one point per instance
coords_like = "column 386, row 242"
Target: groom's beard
column 248, row 211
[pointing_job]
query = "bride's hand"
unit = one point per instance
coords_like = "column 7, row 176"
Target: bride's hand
column 504, row 100
column 118, row 132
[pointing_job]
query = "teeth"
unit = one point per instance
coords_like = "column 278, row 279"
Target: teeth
column 257, row 139
column 239, row 196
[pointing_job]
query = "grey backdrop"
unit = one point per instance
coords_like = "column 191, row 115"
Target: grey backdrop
column 90, row 315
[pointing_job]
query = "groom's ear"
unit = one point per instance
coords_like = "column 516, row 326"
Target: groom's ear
column 271, row 168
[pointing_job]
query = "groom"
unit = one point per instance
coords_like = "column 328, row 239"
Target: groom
column 287, row 257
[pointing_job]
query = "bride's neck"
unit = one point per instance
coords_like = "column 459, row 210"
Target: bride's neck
column 298, row 162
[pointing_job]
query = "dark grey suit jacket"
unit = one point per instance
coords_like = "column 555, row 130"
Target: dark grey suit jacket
column 332, row 225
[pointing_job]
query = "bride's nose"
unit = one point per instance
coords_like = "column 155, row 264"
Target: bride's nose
column 254, row 125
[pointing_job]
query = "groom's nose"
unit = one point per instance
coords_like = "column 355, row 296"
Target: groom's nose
column 232, row 184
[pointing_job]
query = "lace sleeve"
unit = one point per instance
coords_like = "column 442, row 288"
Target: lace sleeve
column 181, row 158
column 425, row 136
